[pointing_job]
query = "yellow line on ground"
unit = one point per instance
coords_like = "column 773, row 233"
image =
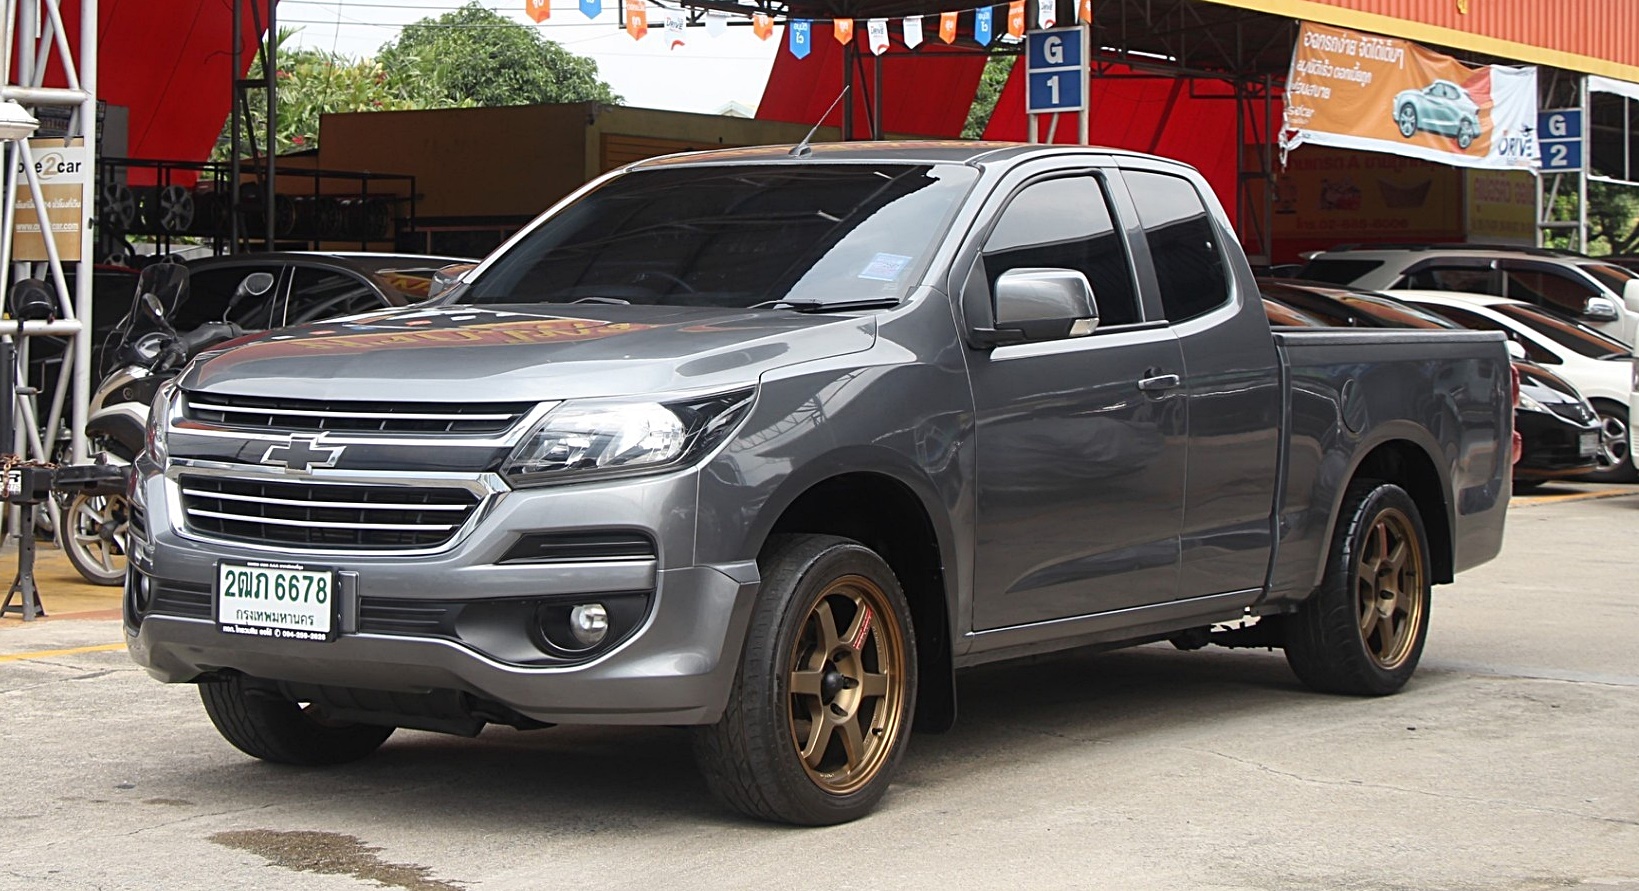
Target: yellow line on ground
column 71, row 651
column 1528, row 500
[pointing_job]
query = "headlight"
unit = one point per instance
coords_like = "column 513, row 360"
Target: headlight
column 581, row 440
column 159, row 416
column 1529, row 404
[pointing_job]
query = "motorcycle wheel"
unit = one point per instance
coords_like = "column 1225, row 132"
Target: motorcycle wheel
column 94, row 529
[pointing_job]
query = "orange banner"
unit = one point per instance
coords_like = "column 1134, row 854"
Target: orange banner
column 637, row 19
column 539, row 10
column 1015, row 18
column 842, row 30
column 947, row 27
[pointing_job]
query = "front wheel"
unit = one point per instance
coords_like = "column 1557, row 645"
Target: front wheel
column 821, row 707
column 1407, row 119
column 93, row 536
column 262, row 724
column 1615, row 449
column 1362, row 631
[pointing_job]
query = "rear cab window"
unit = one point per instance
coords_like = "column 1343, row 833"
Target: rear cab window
column 1183, row 242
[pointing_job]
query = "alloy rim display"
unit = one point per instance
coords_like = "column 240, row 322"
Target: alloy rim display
column 1390, row 585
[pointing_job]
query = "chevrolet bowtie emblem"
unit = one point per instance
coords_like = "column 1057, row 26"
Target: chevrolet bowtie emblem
column 303, row 453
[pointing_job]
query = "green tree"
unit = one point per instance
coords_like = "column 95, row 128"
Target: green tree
column 476, row 55
column 1613, row 218
column 984, row 100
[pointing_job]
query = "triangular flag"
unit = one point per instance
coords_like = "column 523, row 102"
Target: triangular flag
column 842, row 30
column 761, row 25
column 1084, row 11
column 947, row 26
column 716, row 22
column 1046, row 14
column 876, row 33
column 801, row 32
column 675, row 23
column 592, row 8
column 913, row 31
column 1015, row 18
column 637, row 19
column 539, row 10
column 981, row 26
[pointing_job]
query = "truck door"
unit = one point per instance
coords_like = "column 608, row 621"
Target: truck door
column 1080, row 442
column 1232, row 385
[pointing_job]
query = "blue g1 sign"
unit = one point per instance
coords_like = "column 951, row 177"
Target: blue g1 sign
column 1054, row 70
column 1559, row 134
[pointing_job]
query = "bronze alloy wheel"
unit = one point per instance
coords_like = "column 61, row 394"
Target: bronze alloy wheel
column 1389, row 586
column 846, row 681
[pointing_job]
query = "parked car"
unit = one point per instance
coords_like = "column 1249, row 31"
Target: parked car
column 1441, row 107
column 1558, row 428
column 1600, row 368
column 1590, row 290
column 771, row 441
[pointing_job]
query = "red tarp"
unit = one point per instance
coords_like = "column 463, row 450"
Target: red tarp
column 925, row 92
column 170, row 63
column 1190, row 121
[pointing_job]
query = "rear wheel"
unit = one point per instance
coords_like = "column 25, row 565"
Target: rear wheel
column 93, row 536
column 1615, row 449
column 263, row 724
column 1362, row 631
column 821, row 707
column 1465, row 135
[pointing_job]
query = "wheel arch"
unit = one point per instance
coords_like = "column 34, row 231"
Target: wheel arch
column 903, row 522
column 1409, row 465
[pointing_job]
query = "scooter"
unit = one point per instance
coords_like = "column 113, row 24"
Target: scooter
column 97, row 514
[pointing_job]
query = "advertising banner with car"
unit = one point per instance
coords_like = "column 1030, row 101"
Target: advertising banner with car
column 1349, row 89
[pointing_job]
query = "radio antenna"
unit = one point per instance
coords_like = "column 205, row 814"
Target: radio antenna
column 801, row 149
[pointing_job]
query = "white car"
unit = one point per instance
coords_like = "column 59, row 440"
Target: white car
column 1596, row 364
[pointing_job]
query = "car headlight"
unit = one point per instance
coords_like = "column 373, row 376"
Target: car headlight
column 585, row 439
column 159, row 418
column 1529, row 404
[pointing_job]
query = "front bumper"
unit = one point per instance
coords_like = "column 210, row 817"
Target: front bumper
column 675, row 667
column 1553, row 447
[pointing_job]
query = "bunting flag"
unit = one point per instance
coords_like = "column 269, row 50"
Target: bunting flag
column 539, row 10
column 913, row 31
column 716, row 22
column 1015, row 19
column 947, row 26
column 761, row 25
column 1084, row 11
column 842, row 30
column 982, row 27
column 675, row 23
column 876, row 34
column 801, row 32
column 591, row 8
column 1046, row 14
column 637, row 19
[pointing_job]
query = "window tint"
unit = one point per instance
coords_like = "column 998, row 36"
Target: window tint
column 1548, row 288
column 1572, row 336
column 1337, row 272
column 209, row 293
column 1183, row 244
column 1468, row 279
column 319, row 294
column 1614, row 277
column 1477, row 322
column 1066, row 223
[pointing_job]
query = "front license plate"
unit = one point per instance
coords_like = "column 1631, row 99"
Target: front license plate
column 1588, row 444
column 280, row 600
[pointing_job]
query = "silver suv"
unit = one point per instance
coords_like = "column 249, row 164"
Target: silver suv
column 1587, row 289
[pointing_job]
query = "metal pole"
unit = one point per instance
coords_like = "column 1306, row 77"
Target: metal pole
column 1032, row 119
column 1582, row 178
column 237, row 119
column 1084, row 124
column 1537, row 174
column 848, row 90
column 270, row 70
column 83, row 281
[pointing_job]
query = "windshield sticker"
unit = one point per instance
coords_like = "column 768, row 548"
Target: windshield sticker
column 885, row 267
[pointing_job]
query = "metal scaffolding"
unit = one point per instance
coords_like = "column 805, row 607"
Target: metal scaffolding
column 36, row 42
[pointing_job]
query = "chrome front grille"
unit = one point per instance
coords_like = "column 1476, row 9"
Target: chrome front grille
column 347, row 516
column 303, row 415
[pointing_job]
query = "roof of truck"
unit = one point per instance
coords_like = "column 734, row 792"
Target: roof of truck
column 909, row 151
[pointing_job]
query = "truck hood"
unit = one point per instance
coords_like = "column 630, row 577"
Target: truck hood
column 515, row 353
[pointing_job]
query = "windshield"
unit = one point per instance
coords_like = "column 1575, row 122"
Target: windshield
column 1611, row 276
column 1570, row 335
column 734, row 236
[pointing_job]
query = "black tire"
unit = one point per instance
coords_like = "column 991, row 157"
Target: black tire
column 93, row 534
column 1615, row 455
column 1526, row 487
column 1340, row 640
column 262, row 725
column 752, row 759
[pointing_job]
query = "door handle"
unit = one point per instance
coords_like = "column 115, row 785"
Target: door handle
column 1158, row 383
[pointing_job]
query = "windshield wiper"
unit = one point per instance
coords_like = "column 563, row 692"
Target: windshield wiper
column 810, row 304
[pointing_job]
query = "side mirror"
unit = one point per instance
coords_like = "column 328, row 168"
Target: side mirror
column 154, row 306
column 257, row 284
column 1041, row 304
column 1601, row 309
column 1516, row 350
column 33, row 301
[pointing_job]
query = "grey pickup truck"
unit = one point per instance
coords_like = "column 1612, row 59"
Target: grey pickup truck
column 770, row 442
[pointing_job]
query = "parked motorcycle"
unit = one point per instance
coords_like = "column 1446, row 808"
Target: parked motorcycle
column 145, row 351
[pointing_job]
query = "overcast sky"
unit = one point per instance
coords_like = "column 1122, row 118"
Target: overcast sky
column 702, row 75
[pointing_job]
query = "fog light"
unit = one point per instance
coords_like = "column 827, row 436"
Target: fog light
column 589, row 623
